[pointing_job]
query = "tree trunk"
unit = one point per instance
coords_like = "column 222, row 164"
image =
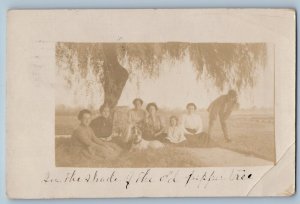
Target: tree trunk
column 115, row 76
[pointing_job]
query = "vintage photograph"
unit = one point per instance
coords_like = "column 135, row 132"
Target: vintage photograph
column 124, row 103
column 172, row 104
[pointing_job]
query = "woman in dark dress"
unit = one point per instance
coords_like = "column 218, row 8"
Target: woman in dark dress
column 103, row 128
column 103, row 124
column 154, row 127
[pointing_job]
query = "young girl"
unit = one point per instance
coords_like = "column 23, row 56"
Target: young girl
column 175, row 132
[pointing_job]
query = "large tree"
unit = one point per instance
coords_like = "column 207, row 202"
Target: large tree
column 232, row 64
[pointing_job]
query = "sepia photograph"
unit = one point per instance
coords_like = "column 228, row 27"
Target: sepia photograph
column 172, row 104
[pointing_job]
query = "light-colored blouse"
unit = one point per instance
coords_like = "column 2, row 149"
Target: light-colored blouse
column 192, row 121
column 175, row 134
column 136, row 116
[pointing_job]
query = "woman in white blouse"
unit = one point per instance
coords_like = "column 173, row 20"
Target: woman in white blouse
column 193, row 127
column 191, row 121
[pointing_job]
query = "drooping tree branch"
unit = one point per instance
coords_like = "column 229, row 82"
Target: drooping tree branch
column 232, row 64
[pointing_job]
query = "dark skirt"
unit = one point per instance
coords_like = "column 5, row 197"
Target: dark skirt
column 197, row 140
column 161, row 137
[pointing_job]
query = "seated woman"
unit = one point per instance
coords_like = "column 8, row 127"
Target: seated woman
column 136, row 117
column 175, row 132
column 103, row 125
column 87, row 143
column 192, row 125
column 153, row 128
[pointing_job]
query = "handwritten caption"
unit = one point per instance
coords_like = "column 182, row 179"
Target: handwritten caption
column 194, row 178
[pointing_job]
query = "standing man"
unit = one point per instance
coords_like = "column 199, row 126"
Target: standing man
column 222, row 107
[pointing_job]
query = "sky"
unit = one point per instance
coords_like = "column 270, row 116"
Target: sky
column 175, row 87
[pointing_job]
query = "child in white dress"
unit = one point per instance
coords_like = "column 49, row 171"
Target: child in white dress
column 175, row 132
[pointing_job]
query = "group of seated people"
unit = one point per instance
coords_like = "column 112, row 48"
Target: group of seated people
column 99, row 132
column 151, row 125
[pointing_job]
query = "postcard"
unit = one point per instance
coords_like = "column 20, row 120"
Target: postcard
column 150, row 103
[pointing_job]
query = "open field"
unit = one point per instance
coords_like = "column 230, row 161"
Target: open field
column 252, row 134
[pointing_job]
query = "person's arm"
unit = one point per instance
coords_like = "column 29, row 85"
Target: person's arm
column 162, row 127
column 94, row 125
column 210, row 107
column 109, row 138
column 159, row 132
column 182, row 125
column 185, row 131
column 113, row 134
column 130, row 117
column 228, row 109
column 97, row 140
column 82, row 137
column 200, row 128
column 169, row 133
column 212, row 104
column 181, row 133
column 226, row 114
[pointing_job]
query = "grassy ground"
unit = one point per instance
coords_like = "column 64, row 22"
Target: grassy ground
column 252, row 135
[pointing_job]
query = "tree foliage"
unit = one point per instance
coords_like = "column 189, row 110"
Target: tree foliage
column 233, row 64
